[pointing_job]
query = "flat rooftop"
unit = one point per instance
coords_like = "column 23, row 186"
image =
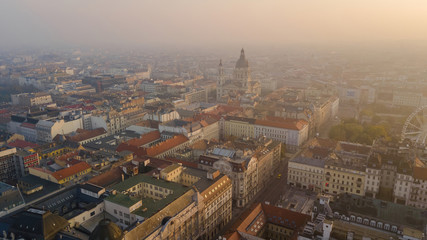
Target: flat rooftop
column 398, row 214
column 4, row 187
column 123, row 199
column 149, row 205
column 310, row 161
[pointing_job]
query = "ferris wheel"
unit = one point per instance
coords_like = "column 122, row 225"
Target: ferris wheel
column 415, row 127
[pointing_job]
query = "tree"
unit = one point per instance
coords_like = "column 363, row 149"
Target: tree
column 355, row 132
column 338, row 133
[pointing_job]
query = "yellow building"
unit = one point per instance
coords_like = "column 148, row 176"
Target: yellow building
column 172, row 173
column 53, row 150
column 344, row 178
column 238, row 127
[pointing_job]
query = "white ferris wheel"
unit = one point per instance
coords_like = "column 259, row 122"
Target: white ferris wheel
column 415, row 127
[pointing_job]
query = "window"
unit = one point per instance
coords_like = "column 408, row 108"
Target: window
column 92, row 213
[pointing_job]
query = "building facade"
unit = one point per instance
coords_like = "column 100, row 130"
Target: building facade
column 8, row 166
column 307, row 173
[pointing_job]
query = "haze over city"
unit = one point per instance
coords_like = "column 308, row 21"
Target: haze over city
column 192, row 23
column 213, row 120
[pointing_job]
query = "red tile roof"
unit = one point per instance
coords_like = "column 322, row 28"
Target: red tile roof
column 323, row 143
column 28, row 125
column 420, row 173
column 200, row 145
column 139, row 151
column 3, row 111
column 166, row 145
column 144, row 139
column 89, row 108
column 108, row 178
column 293, row 124
column 22, row 144
column 148, row 123
column 74, row 106
column 261, row 214
column 67, row 156
column 70, row 171
column 233, row 236
column 86, row 134
column 296, row 220
column 204, row 116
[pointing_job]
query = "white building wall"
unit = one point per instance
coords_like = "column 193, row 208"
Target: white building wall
column 72, row 126
column 372, row 180
column 98, row 122
column 402, row 187
column 86, row 215
column 119, row 211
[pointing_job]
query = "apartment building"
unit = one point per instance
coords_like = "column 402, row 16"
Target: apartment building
column 263, row 221
column 341, row 177
column 26, row 159
column 44, row 129
column 195, row 96
column 291, row 132
column 8, row 166
column 307, row 173
column 31, row 99
column 162, row 115
column 373, row 177
column 238, row 127
column 241, row 168
column 411, row 187
column 216, row 192
column 163, row 210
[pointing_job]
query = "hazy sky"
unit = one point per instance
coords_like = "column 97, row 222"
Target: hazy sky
column 209, row 22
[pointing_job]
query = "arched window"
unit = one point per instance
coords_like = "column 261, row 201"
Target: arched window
column 366, row 221
column 387, row 227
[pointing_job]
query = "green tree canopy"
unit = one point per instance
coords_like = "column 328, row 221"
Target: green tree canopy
column 355, row 132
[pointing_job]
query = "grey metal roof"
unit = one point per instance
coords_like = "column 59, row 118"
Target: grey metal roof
column 310, row 161
column 224, row 152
